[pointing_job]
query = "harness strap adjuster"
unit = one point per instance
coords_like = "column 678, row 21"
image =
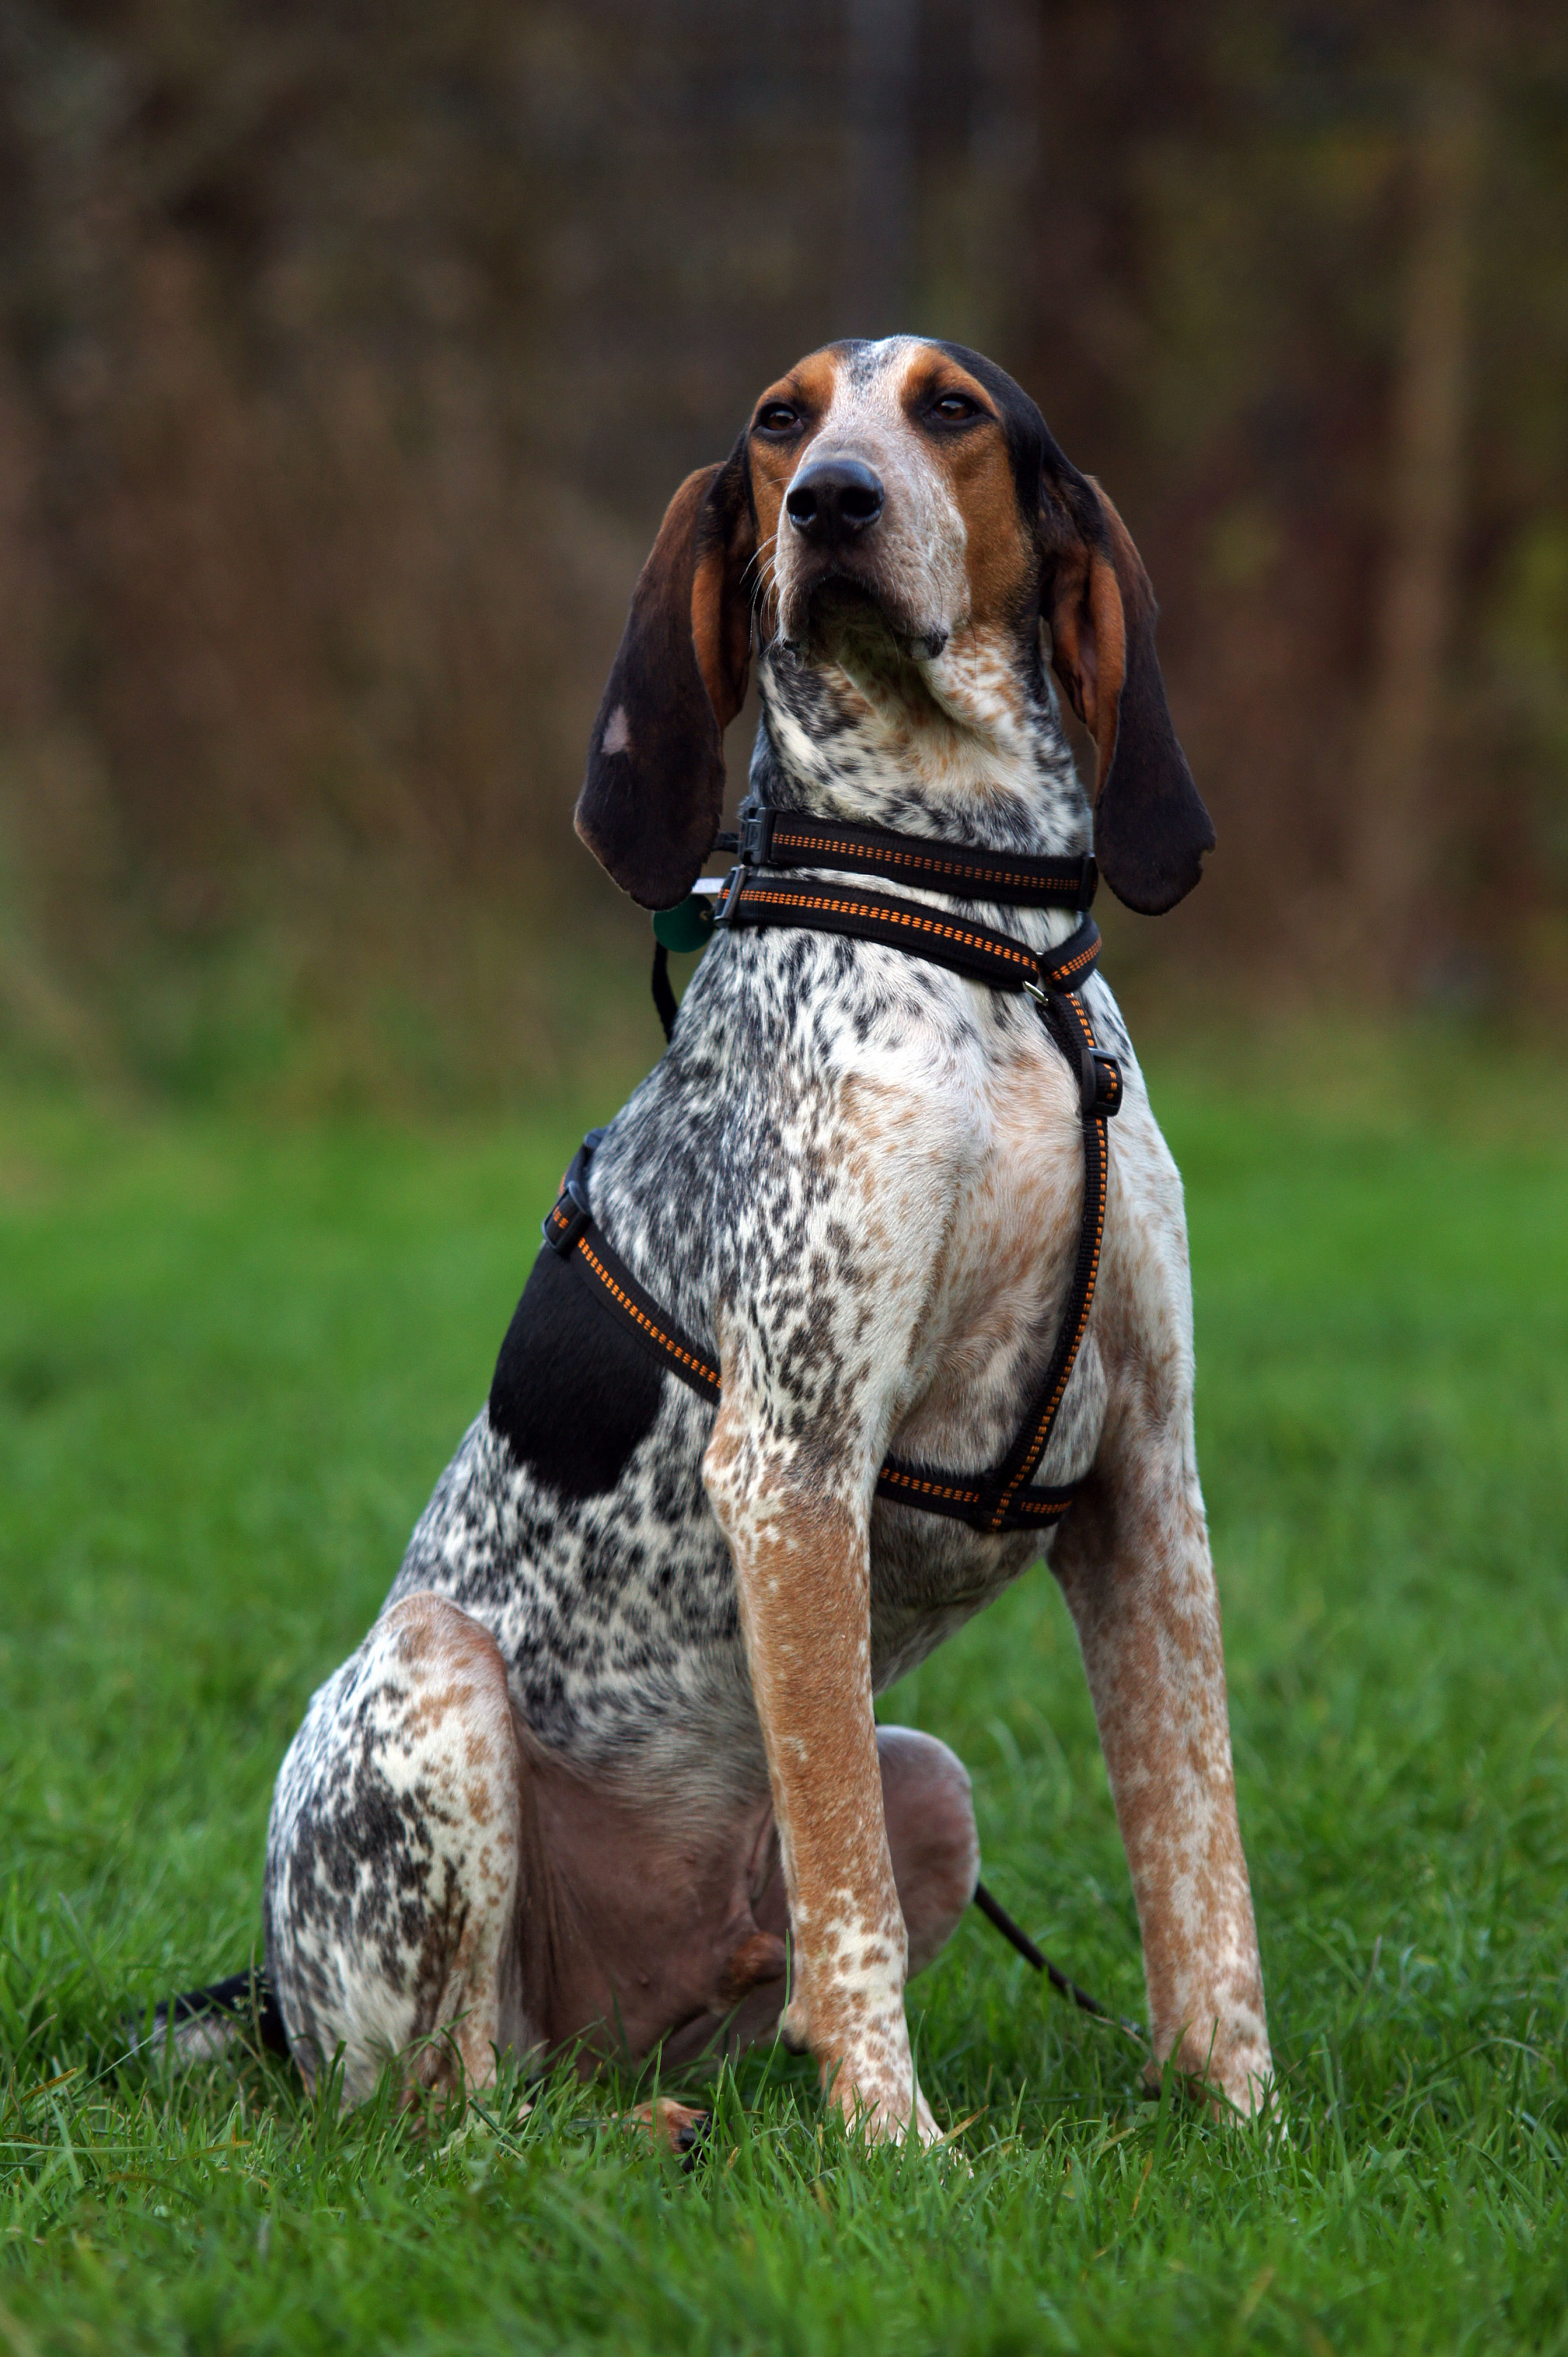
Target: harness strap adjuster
column 1088, row 880
column 756, row 835
column 1099, row 1081
column 564, row 1222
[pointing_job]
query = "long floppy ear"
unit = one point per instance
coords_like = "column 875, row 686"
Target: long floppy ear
column 1151, row 829
column 651, row 800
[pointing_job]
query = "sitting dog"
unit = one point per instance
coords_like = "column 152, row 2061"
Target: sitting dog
column 605, row 1769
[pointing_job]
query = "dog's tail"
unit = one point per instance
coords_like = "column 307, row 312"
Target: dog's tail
column 239, row 2015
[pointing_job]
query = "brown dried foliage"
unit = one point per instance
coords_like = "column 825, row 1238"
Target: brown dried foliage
column 345, row 368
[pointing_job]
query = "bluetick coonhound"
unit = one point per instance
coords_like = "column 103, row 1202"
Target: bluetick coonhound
column 606, row 1769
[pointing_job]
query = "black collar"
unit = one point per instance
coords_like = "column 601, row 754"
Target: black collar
column 773, row 838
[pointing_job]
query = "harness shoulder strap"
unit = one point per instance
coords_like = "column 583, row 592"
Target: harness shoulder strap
column 571, row 1229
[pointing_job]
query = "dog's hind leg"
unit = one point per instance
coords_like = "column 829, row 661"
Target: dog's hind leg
column 395, row 1859
column 930, row 1813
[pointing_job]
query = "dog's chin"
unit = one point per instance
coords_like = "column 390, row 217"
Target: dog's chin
column 841, row 619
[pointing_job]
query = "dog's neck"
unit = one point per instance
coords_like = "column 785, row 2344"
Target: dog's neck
column 966, row 746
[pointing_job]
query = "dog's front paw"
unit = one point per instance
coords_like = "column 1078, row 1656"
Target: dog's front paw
column 1247, row 2082
column 871, row 2078
column 1235, row 2076
column 880, row 2105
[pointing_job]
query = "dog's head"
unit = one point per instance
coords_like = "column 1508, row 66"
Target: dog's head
column 902, row 506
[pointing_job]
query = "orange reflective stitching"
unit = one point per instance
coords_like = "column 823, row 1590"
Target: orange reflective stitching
column 1084, row 957
column 687, row 1358
column 928, row 1489
column 919, row 923
column 919, row 859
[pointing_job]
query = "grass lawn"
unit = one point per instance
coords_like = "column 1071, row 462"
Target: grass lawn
column 233, row 1358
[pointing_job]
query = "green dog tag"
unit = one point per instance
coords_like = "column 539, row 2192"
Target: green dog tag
column 687, row 925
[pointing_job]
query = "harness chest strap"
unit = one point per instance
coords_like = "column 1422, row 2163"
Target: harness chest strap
column 1001, row 1499
column 786, row 839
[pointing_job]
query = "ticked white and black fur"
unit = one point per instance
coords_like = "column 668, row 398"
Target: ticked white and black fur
column 605, row 1766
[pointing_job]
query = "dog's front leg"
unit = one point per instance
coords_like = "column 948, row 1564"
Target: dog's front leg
column 1134, row 1567
column 800, row 1544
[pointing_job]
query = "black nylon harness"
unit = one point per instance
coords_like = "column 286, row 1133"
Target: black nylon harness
column 758, row 890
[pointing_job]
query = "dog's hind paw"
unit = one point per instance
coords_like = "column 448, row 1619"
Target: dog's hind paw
column 671, row 2127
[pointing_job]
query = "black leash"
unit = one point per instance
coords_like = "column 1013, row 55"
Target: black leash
column 994, row 1912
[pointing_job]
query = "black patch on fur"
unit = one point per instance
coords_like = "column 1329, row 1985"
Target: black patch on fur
column 573, row 1391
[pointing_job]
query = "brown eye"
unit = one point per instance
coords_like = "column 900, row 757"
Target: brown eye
column 955, row 408
column 777, row 418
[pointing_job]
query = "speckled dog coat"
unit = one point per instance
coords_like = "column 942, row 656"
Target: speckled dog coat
column 606, row 1769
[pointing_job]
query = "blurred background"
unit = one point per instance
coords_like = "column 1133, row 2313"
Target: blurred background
column 349, row 356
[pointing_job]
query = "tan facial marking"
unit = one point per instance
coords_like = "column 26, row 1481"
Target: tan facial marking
column 809, row 387
column 999, row 548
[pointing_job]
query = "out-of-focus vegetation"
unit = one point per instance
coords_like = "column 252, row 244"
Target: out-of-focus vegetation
column 233, row 1356
column 347, row 361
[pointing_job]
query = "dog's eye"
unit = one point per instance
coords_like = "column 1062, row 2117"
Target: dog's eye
column 778, row 418
column 954, row 408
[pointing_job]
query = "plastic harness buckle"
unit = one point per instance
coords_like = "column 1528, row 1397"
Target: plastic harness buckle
column 1099, row 1083
column 565, row 1221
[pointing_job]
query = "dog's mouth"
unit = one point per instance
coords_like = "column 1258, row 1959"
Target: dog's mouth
column 843, row 615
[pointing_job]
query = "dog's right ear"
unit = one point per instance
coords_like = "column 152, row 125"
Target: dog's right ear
column 653, row 794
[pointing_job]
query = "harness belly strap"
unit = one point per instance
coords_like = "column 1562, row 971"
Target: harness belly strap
column 571, row 1229
column 1002, row 1499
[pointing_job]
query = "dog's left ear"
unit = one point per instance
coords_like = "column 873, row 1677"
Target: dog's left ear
column 1151, row 829
column 653, row 797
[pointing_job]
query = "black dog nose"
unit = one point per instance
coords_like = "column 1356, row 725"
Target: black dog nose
column 834, row 500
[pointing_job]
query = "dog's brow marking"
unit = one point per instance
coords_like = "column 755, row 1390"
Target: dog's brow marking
column 617, row 732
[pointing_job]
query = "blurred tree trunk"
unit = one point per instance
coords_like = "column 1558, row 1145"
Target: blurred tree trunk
column 879, row 94
column 1396, row 814
column 1003, row 151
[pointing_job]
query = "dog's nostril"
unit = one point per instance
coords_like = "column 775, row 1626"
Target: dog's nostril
column 834, row 499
